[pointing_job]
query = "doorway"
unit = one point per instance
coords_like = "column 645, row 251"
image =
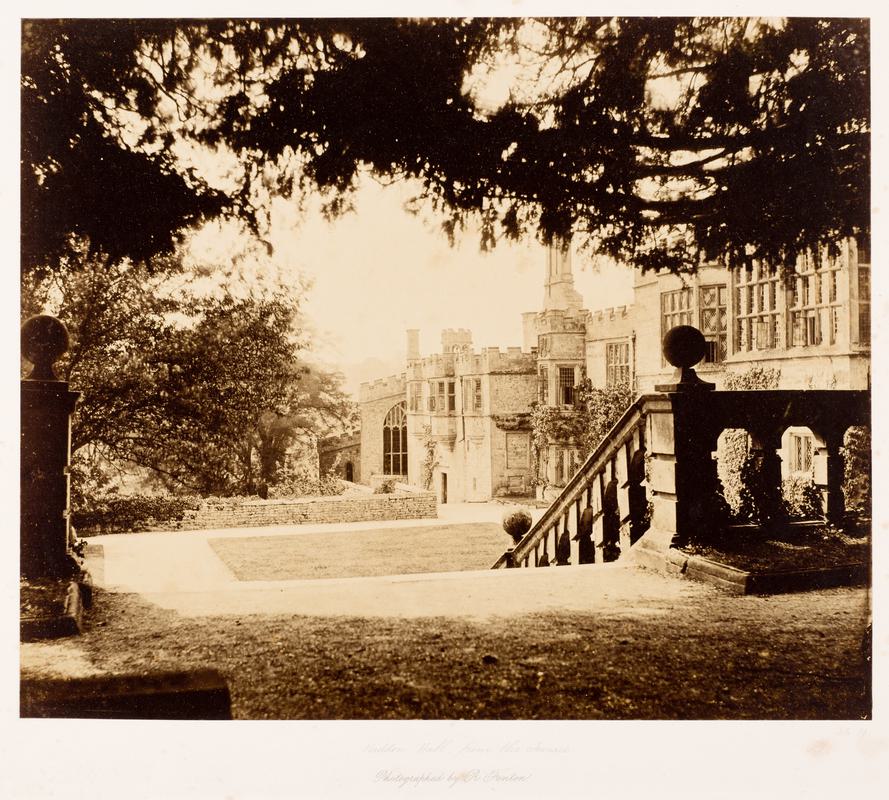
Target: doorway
column 444, row 487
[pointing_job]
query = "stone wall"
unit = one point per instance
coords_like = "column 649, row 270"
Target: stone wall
column 307, row 511
column 348, row 449
column 377, row 399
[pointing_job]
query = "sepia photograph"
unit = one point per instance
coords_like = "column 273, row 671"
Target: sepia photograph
column 449, row 389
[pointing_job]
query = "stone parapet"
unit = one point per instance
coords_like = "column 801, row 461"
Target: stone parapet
column 340, row 442
column 437, row 365
column 382, row 387
column 495, row 360
column 558, row 320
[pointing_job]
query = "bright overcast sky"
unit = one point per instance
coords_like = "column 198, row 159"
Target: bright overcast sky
column 378, row 271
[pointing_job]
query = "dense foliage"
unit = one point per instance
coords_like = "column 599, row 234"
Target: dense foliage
column 802, row 497
column 857, row 468
column 430, row 458
column 582, row 427
column 733, row 449
column 295, row 479
column 662, row 141
column 112, row 513
column 206, row 391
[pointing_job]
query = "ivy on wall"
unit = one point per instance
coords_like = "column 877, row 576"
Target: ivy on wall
column 736, row 469
column 430, row 460
column 582, row 426
column 857, row 469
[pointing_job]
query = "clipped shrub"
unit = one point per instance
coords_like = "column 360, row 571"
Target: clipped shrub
column 297, row 480
column 734, row 463
column 517, row 522
column 120, row 514
column 802, row 498
column 386, row 487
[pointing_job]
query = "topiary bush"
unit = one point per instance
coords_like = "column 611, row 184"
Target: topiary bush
column 517, row 522
column 760, row 501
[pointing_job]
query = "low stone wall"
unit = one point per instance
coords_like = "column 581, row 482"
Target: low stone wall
column 309, row 510
column 318, row 509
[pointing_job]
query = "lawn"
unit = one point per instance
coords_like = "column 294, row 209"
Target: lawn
column 353, row 554
column 704, row 656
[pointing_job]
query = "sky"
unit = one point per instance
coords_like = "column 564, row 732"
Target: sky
column 378, row 271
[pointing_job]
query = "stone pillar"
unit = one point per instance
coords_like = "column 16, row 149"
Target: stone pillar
column 661, row 438
column 47, row 405
column 835, row 509
column 686, row 434
column 765, row 442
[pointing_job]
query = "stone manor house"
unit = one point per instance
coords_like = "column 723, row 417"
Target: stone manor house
column 458, row 421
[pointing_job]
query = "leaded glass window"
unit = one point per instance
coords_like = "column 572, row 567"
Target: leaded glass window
column 714, row 320
column 814, row 303
column 395, row 441
column 759, row 319
column 543, row 386
column 566, row 386
column 617, row 364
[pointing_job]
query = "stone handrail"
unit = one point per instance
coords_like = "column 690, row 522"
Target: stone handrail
column 626, row 435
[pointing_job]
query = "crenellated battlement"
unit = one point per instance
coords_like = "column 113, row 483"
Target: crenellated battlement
column 602, row 323
column 609, row 313
column 437, row 365
column 558, row 320
column 455, row 339
column 382, row 387
column 495, row 359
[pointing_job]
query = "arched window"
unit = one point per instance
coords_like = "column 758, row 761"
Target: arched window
column 395, row 441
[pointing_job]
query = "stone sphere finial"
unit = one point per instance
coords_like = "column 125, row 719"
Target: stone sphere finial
column 44, row 341
column 684, row 346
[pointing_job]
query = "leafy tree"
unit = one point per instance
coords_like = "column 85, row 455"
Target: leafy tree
column 177, row 382
column 663, row 141
column 315, row 407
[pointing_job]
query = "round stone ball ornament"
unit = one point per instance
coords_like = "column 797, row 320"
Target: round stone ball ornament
column 683, row 347
column 44, row 341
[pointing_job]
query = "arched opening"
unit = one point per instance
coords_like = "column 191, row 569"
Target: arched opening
column 350, row 472
column 395, row 441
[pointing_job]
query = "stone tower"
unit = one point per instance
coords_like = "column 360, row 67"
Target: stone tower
column 559, row 290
